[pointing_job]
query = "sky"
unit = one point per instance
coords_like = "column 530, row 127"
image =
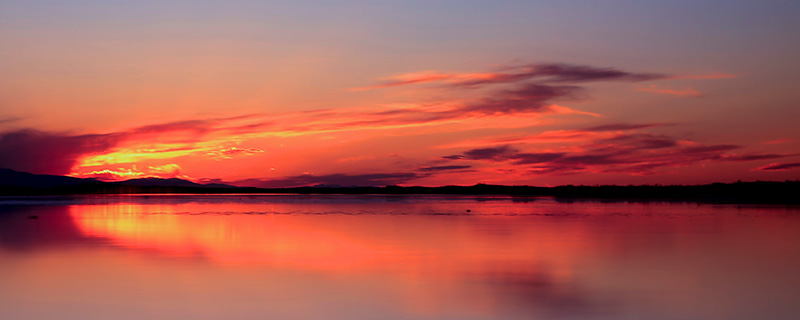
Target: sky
column 293, row 93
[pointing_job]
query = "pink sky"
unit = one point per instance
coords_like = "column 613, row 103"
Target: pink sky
column 435, row 98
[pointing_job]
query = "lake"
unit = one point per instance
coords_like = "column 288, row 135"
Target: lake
column 394, row 257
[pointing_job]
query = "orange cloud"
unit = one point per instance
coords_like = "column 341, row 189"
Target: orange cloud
column 164, row 171
column 688, row 92
column 230, row 153
column 408, row 78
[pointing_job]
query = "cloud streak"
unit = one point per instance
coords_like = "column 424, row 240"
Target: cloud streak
column 687, row 92
column 541, row 72
column 613, row 148
column 442, row 168
column 232, row 152
column 529, row 89
column 780, row 166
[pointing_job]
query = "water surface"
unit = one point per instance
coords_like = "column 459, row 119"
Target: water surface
column 394, row 257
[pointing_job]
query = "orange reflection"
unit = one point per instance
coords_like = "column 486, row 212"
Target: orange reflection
column 318, row 254
column 224, row 234
column 428, row 257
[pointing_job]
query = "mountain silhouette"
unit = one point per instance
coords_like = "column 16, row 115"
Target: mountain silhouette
column 172, row 182
column 21, row 183
column 11, row 178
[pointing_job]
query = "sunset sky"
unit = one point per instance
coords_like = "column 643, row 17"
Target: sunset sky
column 292, row 93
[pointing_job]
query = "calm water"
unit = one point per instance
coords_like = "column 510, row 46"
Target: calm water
column 394, row 257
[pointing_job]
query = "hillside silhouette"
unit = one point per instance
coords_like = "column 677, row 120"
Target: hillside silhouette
column 14, row 183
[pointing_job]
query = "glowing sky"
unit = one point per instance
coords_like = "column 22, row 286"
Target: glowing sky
column 289, row 93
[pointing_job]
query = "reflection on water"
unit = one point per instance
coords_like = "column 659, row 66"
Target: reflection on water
column 379, row 257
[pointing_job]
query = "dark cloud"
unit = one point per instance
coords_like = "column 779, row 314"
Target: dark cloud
column 49, row 153
column 556, row 169
column 495, row 153
column 656, row 143
column 196, row 126
column 594, row 159
column 543, row 73
column 42, row 152
column 528, row 98
column 780, row 166
column 531, row 158
column 640, row 141
column 633, row 153
column 578, row 73
column 454, row 157
column 529, row 88
column 442, row 168
column 751, row 157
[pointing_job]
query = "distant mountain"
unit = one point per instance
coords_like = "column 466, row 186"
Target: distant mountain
column 773, row 192
column 172, row 182
column 11, row 178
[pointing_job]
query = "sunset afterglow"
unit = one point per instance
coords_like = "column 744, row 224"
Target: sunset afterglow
column 403, row 160
column 283, row 95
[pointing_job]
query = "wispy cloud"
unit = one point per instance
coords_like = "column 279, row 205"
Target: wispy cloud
column 687, row 92
column 608, row 148
column 442, row 168
column 528, row 89
column 778, row 141
column 9, row 120
column 557, row 136
column 780, row 166
column 230, row 153
column 544, row 73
